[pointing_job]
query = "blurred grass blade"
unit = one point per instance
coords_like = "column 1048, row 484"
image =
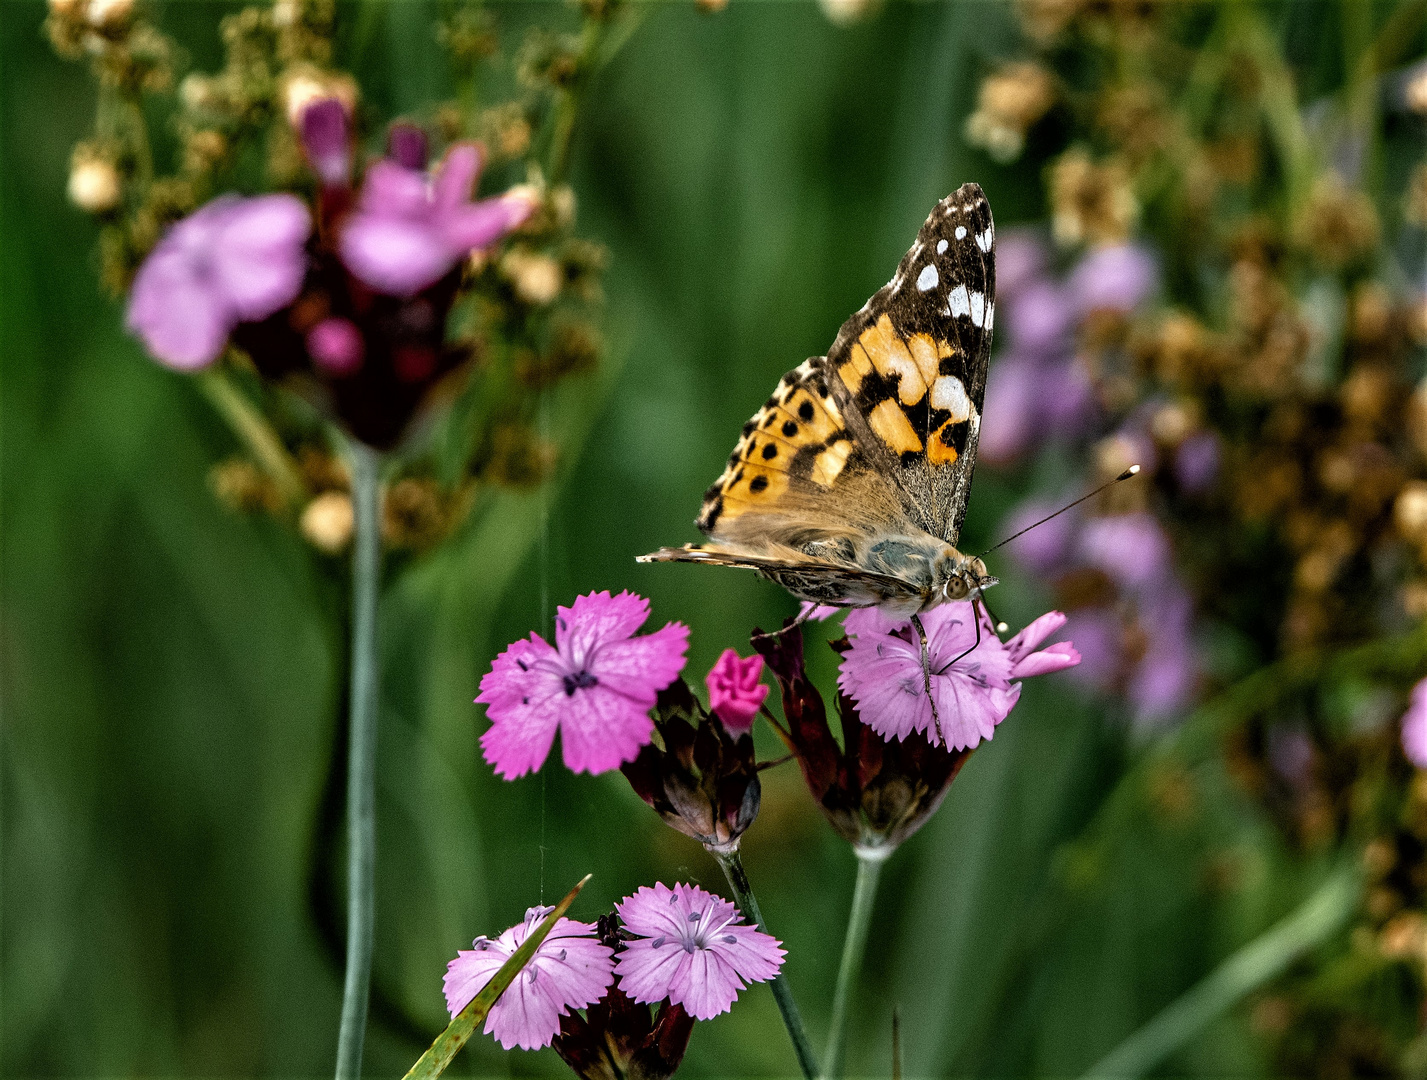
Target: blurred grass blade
column 896, row 1043
column 433, row 1063
column 1261, row 960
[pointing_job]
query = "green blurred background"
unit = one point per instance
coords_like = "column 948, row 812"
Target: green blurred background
column 172, row 672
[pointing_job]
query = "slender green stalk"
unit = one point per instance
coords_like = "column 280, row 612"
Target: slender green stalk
column 1261, row 960
column 869, row 869
column 250, row 425
column 362, row 758
column 782, row 993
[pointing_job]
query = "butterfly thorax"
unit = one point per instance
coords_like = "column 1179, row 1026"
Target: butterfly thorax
column 903, row 573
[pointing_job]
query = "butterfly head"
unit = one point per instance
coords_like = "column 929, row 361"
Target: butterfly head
column 963, row 577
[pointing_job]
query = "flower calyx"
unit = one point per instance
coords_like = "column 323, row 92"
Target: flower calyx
column 874, row 791
column 702, row 780
column 621, row 1039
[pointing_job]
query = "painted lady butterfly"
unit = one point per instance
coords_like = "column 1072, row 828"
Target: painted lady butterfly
column 849, row 486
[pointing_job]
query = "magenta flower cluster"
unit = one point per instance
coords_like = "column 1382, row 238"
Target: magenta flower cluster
column 237, row 260
column 688, row 946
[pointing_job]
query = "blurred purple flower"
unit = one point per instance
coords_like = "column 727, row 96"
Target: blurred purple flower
column 1021, row 257
column 1047, row 547
column 1099, row 638
column 882, row 672
column 1196, row 462
column 1011, row 410
column 691, row 948
column 408, row 231
column 1163, row 681
column 1131, row 549
column 406, row 145
column 736, row 691
column 1116, row 277
column 570, row 970
column 595, row 686
column 1040, row 318
column 327, row 141
column 1290, row 752
column 232, row 260
column 1414, row 726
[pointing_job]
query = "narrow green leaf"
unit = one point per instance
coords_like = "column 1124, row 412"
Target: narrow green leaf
column 1258, row 962
column 433, row 1063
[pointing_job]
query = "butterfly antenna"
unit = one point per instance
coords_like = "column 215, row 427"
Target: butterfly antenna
column 1133, row 470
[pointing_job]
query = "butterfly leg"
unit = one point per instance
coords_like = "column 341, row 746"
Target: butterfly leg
column 927, row 675
column 976, row 614
column 801, row 618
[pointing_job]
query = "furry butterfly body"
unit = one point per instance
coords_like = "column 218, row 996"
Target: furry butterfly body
column 849, row 486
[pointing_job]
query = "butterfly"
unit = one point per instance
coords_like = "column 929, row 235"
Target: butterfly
column 849, row 486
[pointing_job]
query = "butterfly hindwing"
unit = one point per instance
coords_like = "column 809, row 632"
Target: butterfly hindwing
column 909, row 369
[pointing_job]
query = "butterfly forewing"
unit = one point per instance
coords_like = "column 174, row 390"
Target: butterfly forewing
column 909, row 369
column 875, row 441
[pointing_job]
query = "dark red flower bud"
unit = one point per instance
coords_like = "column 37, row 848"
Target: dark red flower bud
column 700, row 779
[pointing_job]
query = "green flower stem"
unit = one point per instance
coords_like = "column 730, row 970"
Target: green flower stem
column 361, row 758
column 869, row 869
column 782, row 993
column 252, row 427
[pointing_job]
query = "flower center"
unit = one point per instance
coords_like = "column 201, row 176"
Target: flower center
column 580, row 680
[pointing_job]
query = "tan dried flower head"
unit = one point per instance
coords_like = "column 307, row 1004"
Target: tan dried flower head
column 95, row 185
column 1045, row 20
column 240, row 485
column 1409, row 511
column 1008, row 104
column 1135, row 119
column 1338, row 225
column 327, row 522
column 535, row 277
column 1090, row 203
column 414, row 513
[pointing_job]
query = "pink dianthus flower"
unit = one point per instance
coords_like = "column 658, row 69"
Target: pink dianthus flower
column 691, row 948
column 736, row 691
column 595, row 686
column 232, row 260
column 408, row 231
column 882, row 672
column 570, row 970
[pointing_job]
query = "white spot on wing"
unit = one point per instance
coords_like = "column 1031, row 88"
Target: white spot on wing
column 961, row 232
column 928, row 278
column 978, row 308
column 983, row 239
column 958, row 302
column 941, row 247
column 990, row 316
column 949, row 393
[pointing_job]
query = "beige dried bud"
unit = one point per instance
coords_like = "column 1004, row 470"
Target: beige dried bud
column 1409, row 511
column 108, row 15
column 1338, row 225
column 1045, row 20
column 413, row 513
column 1414, row 94
column 327, row 522
column 1007, row 106
column 1090, row 203
column 520, row 458
column 562, row 204
column 94, row 183
column 847, row 12
column 536, row 277
column 1173, row 423
column 303, row 85
column 1404, row 937
column 240, row 485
